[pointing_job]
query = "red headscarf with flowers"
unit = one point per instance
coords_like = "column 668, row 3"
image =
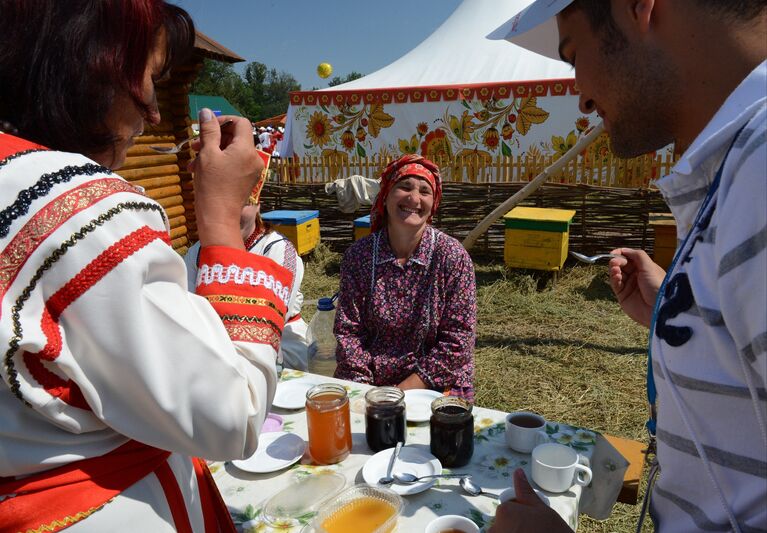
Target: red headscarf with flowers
column 404, row 167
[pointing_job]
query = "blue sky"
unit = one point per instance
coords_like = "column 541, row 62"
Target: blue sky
column 297, row 35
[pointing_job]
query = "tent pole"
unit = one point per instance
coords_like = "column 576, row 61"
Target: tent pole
column 531, row 187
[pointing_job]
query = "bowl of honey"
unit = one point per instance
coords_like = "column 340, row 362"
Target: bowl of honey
column 360, row 509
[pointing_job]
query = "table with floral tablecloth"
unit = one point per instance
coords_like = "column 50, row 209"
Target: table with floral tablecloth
column 491, row 467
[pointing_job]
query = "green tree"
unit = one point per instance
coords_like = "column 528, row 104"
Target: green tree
column 220, row 79
column 262, row 93
column 337, row 80
column 270, row 88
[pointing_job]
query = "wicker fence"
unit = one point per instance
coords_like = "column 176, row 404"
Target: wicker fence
column 605, row 217
column 587, row 169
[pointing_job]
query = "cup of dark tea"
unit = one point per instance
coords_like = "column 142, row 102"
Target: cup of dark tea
column 525, row 431
column 452, row 431
column 451, row 524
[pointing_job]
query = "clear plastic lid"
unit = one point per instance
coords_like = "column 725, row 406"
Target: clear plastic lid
column 301, row 500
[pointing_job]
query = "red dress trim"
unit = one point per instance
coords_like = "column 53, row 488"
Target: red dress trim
column 264, row 283
column 56, row 386
column 174, row 497
column 214, row 510
column 50, row 218
column 57, row 498
column 10, row 144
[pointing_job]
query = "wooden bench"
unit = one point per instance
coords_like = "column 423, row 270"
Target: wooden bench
column 633, row 452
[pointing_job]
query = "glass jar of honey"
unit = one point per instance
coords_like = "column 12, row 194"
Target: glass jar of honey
column 384, row 417
column 329, row 423
column 452, row 431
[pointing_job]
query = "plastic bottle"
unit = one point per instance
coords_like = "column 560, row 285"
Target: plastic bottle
column 322, row 342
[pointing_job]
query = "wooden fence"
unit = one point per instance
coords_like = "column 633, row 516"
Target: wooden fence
column 587, row 169
column 606, row 218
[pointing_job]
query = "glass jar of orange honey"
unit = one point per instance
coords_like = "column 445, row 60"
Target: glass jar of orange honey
column 329, row 423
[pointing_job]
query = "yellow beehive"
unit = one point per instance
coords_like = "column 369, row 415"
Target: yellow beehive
column 537, row 238
column 302, row 228
column 361, row 227
column 664, row 228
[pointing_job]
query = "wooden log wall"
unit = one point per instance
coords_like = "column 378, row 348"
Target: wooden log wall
column 164, row 176
column 606, row 218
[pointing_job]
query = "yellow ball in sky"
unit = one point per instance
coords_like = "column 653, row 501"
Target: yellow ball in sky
column 324, row 70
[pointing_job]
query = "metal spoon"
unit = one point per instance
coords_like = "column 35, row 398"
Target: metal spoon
column 472, row 489
column 591, row 259
column 388, row 479
column 408, row 479
column 176, row 149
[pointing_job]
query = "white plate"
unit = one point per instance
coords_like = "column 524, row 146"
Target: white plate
column 418, row 404
column 275, row 451
column 412, row 460
column 292, row 394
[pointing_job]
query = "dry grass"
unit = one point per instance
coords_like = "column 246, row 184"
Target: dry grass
column 567, row 352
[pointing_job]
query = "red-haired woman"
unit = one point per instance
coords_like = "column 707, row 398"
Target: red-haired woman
column 407, row 305
column 113, row 374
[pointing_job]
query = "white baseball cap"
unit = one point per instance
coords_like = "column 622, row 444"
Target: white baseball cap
column 534, row 28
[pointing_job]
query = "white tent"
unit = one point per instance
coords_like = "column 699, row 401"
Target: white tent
column 458, row 52
column 455, row 94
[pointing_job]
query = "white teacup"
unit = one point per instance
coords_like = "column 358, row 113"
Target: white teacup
column 451, row 521
column 525, row 431
column 556, row 467
column 511, row 494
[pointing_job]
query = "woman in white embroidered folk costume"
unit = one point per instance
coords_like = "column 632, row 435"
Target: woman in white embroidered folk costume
column 114, row 375
column 260, row 238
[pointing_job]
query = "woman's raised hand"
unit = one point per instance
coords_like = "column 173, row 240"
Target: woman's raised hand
column 635, row 279
column 225, row 171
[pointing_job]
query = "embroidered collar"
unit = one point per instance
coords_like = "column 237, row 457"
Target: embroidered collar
column 251, row 240
column 421, row 255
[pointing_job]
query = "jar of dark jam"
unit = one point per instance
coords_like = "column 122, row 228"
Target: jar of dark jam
column 384, row 417
column 452, row 431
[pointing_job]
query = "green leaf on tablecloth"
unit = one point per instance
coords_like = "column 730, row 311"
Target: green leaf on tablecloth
column 480, row 437
column 477, row 517
column 288, row 426
column 436, row 506
column 306, row 518
column 579, row 447
column 249, row 513
column 552, row 429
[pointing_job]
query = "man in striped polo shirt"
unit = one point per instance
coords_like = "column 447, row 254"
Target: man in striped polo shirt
column 692, row 72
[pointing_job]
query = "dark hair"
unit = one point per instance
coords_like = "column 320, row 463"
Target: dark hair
column 600, row 15
column 63, row 62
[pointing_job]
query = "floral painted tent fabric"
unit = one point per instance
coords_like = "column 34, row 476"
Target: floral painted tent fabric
column 534, row 119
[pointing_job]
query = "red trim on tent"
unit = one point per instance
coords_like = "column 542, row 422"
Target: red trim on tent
column 469, row 91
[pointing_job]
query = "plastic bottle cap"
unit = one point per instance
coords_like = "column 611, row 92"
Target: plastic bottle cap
column 325, row 304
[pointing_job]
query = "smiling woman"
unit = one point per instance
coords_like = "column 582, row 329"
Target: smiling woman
column 407, row 308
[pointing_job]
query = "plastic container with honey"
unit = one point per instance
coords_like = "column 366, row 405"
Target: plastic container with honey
column 360, row 509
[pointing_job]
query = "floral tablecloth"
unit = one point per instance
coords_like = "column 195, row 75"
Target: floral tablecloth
column 491, row 467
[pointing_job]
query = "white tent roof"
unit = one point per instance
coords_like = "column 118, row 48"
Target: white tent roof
column 458, row 52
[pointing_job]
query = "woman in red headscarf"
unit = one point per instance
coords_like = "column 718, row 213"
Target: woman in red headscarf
column 407, row 307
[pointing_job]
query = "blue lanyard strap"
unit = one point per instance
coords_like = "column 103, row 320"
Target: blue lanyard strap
column 652, row 392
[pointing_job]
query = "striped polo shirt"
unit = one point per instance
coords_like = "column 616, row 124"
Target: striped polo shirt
column 710, row 341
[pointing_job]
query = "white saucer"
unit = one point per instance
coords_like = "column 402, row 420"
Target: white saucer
column 292, row 394
column 412, row 460
column 418, row 404
column 275, row 451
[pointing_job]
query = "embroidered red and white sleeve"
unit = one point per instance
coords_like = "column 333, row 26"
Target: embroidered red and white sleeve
column 251, row 293
column 105, row 338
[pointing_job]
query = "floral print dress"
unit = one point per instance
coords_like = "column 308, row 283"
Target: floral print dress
column 395, row 320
